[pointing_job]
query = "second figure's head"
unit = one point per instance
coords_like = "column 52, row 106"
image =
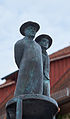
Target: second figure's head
column 44, row 41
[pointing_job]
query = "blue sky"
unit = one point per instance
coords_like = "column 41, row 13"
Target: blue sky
column 52, row 15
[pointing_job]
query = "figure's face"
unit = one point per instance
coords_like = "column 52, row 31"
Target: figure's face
column 30, row 31
column 44, row 43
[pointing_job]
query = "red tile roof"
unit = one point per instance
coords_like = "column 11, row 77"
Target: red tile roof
column 62, row 52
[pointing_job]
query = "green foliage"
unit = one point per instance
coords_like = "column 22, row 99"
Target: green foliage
column 59, row 116
column 65, row 116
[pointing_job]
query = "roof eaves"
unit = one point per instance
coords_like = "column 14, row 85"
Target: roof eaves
column 9, row 75
column 7, row 84
column 60, row 57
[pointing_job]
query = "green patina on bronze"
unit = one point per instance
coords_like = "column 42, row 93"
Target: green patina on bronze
column 32, row 94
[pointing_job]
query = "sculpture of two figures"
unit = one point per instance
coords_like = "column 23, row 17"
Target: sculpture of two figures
column 33, row 61
column 33, row 82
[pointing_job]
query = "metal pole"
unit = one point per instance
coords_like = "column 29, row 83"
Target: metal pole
column 19, row 109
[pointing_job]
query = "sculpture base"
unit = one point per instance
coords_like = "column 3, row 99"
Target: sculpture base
column 32, row 106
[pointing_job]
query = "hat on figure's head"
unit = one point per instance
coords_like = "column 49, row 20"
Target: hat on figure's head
column 29, row 23
column 40, row 37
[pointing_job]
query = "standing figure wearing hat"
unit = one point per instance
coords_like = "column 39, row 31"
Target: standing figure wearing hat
column 45, row 42
column 28, row 57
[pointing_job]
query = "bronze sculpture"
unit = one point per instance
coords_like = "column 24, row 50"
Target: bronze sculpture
column 28, row 58
column 45, row 42
column 30, row 101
